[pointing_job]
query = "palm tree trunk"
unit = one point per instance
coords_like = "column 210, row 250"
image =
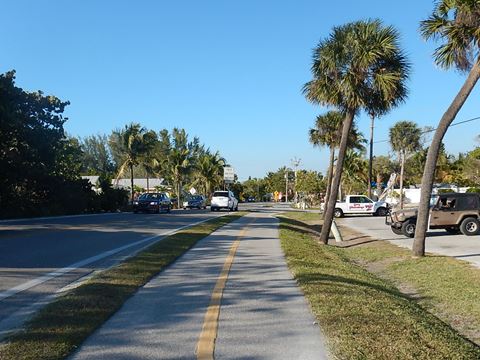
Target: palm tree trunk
column 432, row 157
column 148, row 184
column 370, row 159
column 330, row 206
column 402, row 168
column 131, row 181
column 179, row 185
column 329, row 178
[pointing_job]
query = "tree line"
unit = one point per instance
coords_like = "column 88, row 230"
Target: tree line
column 361, row 66
column 41, row 165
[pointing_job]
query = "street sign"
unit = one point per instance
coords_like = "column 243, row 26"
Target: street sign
column 228, row 174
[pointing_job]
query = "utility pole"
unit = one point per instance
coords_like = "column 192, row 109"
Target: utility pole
column 286, row 184
column 295, row 163
column 370, row 160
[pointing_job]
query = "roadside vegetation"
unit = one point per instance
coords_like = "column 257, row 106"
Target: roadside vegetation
column 363, row 313
column 59, row 328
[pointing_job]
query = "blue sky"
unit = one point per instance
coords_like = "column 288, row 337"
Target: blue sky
column 229, row 72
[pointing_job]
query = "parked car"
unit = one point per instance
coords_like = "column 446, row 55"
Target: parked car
column 454, row 212
column 359, row 204
column 250, row 199
column 195, row 201
column 152, row 202
column 224, row 200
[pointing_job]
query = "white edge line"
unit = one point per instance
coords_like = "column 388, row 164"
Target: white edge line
column 40, row 280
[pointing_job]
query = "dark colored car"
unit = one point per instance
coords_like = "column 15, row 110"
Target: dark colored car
column 250, row 199
column 152, row 202
column 195, row 201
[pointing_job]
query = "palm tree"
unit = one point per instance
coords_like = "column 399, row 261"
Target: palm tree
column 148, row 159
column 357, row 61
column 353, row 170
column 327, row 132
column 128, row 144
column 209, row 171
column 404, row 139
column 457, row 24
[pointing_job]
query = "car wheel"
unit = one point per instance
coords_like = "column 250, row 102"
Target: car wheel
column 169, row 208
column 396, row 231
column 470, row 226
column 408, row 228
column 157, row 211
column 453, row 230
column 236, row 208
column 338, row 213
column 381, row 211
column 135, row 211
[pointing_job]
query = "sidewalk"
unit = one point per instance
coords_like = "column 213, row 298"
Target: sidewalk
column 263, row 314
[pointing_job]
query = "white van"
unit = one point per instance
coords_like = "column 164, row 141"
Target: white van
column 224, row 199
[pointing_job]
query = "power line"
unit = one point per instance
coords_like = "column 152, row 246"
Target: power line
column 430, row 130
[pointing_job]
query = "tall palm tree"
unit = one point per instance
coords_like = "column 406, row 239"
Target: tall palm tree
column 148, row 159
column 327, row 132
column 457, row 24
column 404, row 139
column 128, row 144
column 356, row 61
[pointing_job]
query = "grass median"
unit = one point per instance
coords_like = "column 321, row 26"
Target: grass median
column 59, row 328
column 364, row 316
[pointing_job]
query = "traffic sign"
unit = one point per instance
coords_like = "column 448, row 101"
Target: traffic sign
column 228, row 174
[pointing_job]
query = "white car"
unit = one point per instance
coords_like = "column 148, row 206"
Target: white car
column 224, row 199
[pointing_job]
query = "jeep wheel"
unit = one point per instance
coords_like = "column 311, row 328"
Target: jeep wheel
column 470, row 226
column 338, row 213
column 381, row 211
column 408, row 228
column 396, row 231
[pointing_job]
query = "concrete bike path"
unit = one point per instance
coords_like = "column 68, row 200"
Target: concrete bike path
column 230, row 297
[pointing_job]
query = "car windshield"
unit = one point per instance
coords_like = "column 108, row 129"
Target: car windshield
column 220, row 193
column 196, row 197
column 153, row 196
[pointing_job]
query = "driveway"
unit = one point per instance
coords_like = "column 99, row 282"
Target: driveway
column 438, row 241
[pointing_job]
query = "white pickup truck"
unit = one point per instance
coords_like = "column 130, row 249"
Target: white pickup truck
column 360, row 204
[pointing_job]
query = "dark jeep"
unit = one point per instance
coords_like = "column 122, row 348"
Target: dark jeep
column 453, row 212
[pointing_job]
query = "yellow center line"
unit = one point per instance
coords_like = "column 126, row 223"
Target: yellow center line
column 206, row 341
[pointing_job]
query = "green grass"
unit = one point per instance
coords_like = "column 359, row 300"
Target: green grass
column 59, row 328
column 448, row 287
column 364, row 316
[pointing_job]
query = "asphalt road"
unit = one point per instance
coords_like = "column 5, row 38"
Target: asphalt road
column 438, row 241
column 39, row 257
column 262, row 315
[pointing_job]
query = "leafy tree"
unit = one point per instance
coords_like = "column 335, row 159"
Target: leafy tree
column 39, row 164
column 404, row 140
column 456, row 23
column 311, row 184
column 382, row 168
column 357, row 61
column 96, row 156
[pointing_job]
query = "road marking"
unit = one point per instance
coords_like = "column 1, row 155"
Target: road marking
column 206, row 342
column 40, row 280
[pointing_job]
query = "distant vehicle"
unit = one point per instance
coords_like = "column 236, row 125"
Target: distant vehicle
column 250, row 199
column 224, row 200
column 195, row 201
column 152, row 202
column 359, row 204
column 454, row 212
